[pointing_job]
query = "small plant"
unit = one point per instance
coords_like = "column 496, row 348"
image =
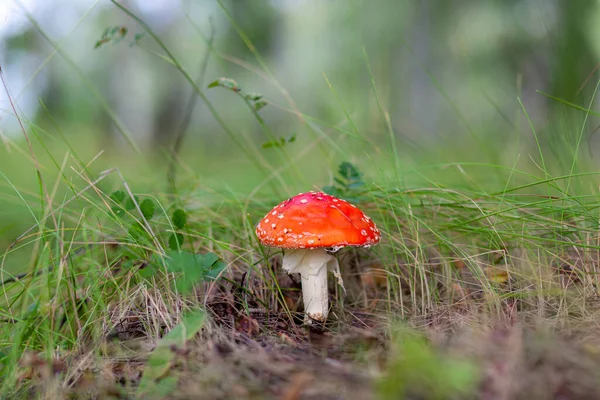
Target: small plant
column 116, row 35
column 189, row 268
column 255, row 100
column 124, row 206
column 347, row 184
column 279, row 142
column 179, row 220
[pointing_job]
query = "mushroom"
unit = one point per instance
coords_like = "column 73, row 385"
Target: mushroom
column 307, row 226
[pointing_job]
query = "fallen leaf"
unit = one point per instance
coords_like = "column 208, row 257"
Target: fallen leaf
column 459, row 293
column 495, row 274
column 459, row 264
column 247, row 325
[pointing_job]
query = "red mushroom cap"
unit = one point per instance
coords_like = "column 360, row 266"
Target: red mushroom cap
column 314, row 219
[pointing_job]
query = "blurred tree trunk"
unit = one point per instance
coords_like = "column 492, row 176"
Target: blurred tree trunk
column 257, row 18
column 573, row 58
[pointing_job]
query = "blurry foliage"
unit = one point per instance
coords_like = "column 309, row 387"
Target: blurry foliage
column 254, row 99
column 116, row 35
column 226, row 83
column 156, row 382
column 348, row 183
column 279, row 142
column 417, row 370
column 179, row 220
column 259, row 20
column 487, row 47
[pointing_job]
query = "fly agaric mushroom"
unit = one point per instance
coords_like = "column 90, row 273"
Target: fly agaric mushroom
column 307, row 225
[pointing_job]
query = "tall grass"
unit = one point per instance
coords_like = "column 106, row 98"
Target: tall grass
column 481, row 240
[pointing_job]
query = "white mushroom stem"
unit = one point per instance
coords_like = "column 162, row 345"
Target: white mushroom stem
column 313, row 265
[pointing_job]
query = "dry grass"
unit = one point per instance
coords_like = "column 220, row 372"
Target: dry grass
column 528, row 325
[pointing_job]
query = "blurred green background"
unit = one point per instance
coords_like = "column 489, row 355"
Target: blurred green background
column 440, row 80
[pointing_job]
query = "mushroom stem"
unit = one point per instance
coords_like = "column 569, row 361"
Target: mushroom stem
column 312, row 265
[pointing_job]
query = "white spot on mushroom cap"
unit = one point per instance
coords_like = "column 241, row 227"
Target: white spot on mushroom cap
column 280, row 216
column 303, row 201
column 274, row 213
column 266, row 220
column 273, row 226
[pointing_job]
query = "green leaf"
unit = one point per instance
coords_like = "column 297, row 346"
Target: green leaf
column 176, row 241
column 267, row 145
column 155, row 379
column 148, row 271
column 138, row 233
column 226, row 83
column 118, row 211
column 147, row 206
column 179, row 218
column 348, row 181
column 192, row 268
column 215, row 269
column 253, row 96
column 117, row 196
column 279, row 142
column 349, row 171
column 130, row 203
column 260, row 104
column 340, row 182
column 138, row 37
column 114, row 34
column 32, row 309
